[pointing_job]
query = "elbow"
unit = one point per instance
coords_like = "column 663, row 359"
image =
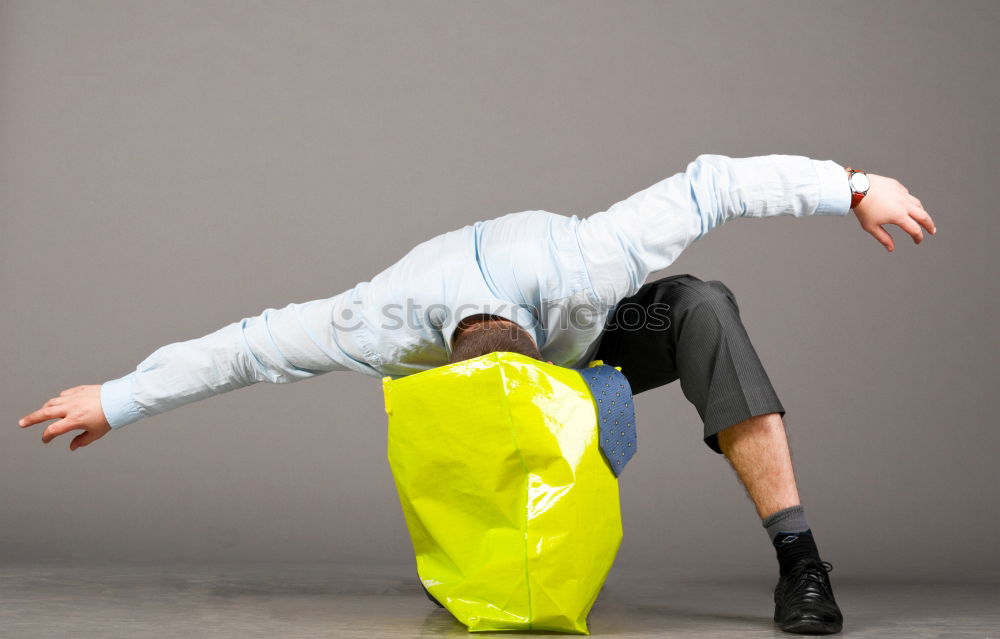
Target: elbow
column 714, row 191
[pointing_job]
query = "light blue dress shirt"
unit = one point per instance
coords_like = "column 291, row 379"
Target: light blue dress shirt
column 558, row 277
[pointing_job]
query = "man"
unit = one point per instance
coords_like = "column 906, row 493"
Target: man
column 565, row 290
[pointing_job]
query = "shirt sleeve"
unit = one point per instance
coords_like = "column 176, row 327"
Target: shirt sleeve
column 278, row 346
column 648, row 231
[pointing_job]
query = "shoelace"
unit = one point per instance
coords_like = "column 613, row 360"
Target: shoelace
column 813, row 571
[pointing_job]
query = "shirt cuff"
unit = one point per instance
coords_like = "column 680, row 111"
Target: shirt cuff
column 834, row 189
column 116, row 400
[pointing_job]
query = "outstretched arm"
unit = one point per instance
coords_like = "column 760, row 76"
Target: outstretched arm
column 278, row 346
column 648, row 231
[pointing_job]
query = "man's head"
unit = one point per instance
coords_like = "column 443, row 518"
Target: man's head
column 481, row 334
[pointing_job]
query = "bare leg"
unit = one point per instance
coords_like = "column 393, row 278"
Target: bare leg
column 757, row 449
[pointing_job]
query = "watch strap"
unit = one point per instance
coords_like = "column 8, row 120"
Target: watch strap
column 856, row 196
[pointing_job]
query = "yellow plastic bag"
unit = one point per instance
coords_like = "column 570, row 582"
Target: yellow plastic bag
column 512, row 509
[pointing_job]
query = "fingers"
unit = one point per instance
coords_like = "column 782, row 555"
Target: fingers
column 912, row 228
column 917, row 212
column 58, row 428
column 44, row 414
column 922, row 217
column 47, row 412
column 891, row 203
column 882, row 236
column 82, row 439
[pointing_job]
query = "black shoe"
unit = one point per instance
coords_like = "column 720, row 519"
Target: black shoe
column 803, row 600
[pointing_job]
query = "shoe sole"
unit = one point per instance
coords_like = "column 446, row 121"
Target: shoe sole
column 812, row 627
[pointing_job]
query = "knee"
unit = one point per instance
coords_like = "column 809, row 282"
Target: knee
column 708, row 297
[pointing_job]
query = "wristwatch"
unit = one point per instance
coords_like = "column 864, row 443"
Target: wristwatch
column 858, row 180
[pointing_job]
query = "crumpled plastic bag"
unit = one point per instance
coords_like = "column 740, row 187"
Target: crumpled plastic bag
column 512, row 509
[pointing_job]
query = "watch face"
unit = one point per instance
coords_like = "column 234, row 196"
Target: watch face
column 859, row 182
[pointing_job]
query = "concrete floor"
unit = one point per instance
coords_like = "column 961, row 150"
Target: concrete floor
column 333, row 600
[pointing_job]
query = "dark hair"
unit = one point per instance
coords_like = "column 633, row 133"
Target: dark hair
column 491, row 337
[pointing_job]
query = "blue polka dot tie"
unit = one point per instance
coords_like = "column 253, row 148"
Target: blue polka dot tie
column 615, row 414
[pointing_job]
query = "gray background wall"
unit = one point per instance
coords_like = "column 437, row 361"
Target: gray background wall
column 168, row 168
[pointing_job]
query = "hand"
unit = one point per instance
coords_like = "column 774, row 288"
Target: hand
column 888, row 202
column 78, row 408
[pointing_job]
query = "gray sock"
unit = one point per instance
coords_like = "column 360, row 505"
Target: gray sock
column 789, row 520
